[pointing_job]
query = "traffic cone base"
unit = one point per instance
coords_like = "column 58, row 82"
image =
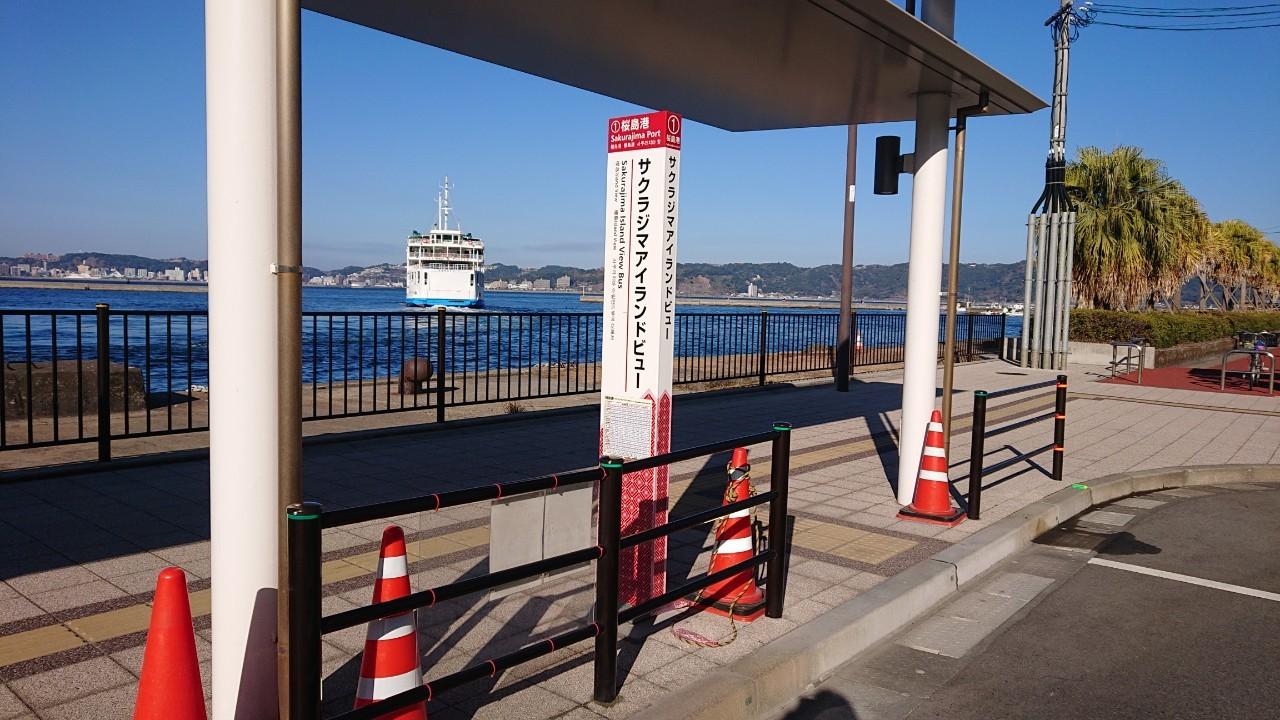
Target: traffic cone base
column 951, row 519
column 725, row 607
column 931, row 501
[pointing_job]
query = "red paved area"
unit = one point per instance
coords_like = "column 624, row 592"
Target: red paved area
column 1201, row 378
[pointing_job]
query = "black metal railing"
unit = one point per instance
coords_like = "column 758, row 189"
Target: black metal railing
column 307, row 623
column 155, row 378
column 980, row 433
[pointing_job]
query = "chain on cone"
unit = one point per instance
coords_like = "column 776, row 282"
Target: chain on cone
column 737, row 596
column 170, row 688
column 391, row 662
column 931, row 501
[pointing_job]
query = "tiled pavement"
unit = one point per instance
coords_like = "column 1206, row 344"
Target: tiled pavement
column 82, row 552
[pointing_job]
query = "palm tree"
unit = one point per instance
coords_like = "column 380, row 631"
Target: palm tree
column 1242, row 258
column 1139, row 233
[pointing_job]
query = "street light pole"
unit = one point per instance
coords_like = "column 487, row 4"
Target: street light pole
column 953, row 265
column 845, row 331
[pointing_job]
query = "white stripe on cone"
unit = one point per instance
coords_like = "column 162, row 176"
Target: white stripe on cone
column 735, row 545
column 393, row 567
column 934, row 451
column 935, row 427
column 385, row 687
column 933, row 475
column 391, row 628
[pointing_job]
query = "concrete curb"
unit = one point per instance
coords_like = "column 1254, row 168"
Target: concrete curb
column 784, row 669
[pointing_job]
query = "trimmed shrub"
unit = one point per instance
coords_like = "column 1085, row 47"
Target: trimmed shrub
column 1166, row 329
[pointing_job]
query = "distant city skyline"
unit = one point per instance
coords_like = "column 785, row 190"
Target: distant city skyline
column 102, row 143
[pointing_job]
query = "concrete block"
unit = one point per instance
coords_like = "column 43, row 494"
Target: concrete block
column 980, row 551
column 1110, row 487
column 1265, row 473
column 1217, row 474
column 1148, row 480
column 1071, row 501
column 718, row 695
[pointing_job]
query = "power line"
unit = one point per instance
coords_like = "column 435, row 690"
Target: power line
column 1184, row 28
column 1187, row 19
column 1161, row 9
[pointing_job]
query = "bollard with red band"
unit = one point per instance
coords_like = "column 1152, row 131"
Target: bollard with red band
column 931, row 502
column 391, row 663
column 737, row 596
column 1059, row 426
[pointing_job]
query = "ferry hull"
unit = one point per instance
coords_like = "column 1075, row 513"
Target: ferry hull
column 446, row 302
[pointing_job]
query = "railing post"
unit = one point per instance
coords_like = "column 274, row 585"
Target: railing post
column 303, row 521
column 440, row 314
column 977, row 446
column 764, row 344
column 854, row 334
column 104, row 381
column 779, row 477
column 1059, row 426
column 968, row 347
column 609, row 539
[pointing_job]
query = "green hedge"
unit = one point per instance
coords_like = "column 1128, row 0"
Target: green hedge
column 1166, row 329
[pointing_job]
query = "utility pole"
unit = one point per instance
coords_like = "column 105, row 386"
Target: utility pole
column 1046, row 306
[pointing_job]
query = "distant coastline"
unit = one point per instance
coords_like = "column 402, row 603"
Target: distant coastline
column 101, row 284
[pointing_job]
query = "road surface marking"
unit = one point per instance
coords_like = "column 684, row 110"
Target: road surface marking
column 1190, row 579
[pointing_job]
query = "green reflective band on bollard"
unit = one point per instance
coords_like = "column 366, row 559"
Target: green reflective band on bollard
column 782, row 427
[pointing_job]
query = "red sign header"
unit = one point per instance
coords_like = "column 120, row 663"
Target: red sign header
column 642, row 132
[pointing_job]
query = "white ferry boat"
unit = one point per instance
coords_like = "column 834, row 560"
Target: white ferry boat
column 445, row 266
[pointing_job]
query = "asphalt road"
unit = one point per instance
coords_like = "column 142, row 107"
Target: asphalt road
column 1101, row 641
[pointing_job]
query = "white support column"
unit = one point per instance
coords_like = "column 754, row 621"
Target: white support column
column 240, row 77
column 924, row 284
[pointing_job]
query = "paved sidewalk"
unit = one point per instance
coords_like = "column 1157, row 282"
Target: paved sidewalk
column 85, row 550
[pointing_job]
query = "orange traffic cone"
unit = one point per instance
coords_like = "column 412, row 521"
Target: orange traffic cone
column 170, row 686
column 737, row 596
column 391, row 663
column 931, row 501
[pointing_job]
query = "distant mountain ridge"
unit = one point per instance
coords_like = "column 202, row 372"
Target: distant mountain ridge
column 983, row 282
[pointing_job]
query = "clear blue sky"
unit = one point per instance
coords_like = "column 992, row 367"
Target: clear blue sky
column 102, row 142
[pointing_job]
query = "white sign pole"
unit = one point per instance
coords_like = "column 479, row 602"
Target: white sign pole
column 641, row 220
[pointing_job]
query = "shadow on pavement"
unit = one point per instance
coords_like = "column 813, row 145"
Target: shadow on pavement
column 823, row 705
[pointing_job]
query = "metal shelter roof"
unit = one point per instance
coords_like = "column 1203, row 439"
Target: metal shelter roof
column 732, row 64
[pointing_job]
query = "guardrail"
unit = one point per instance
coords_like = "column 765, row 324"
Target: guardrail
column 307, row 623
column 154, row 379
column 980, row 434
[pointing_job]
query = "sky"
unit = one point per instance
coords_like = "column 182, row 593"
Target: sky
column 102, row 142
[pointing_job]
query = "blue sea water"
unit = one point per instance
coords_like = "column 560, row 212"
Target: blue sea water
column 173, row 349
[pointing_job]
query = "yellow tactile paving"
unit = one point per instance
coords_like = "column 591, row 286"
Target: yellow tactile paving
column 114, row 623
column 873, row 548
column 339, row 570
column 860, row 545
column 36, row 643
